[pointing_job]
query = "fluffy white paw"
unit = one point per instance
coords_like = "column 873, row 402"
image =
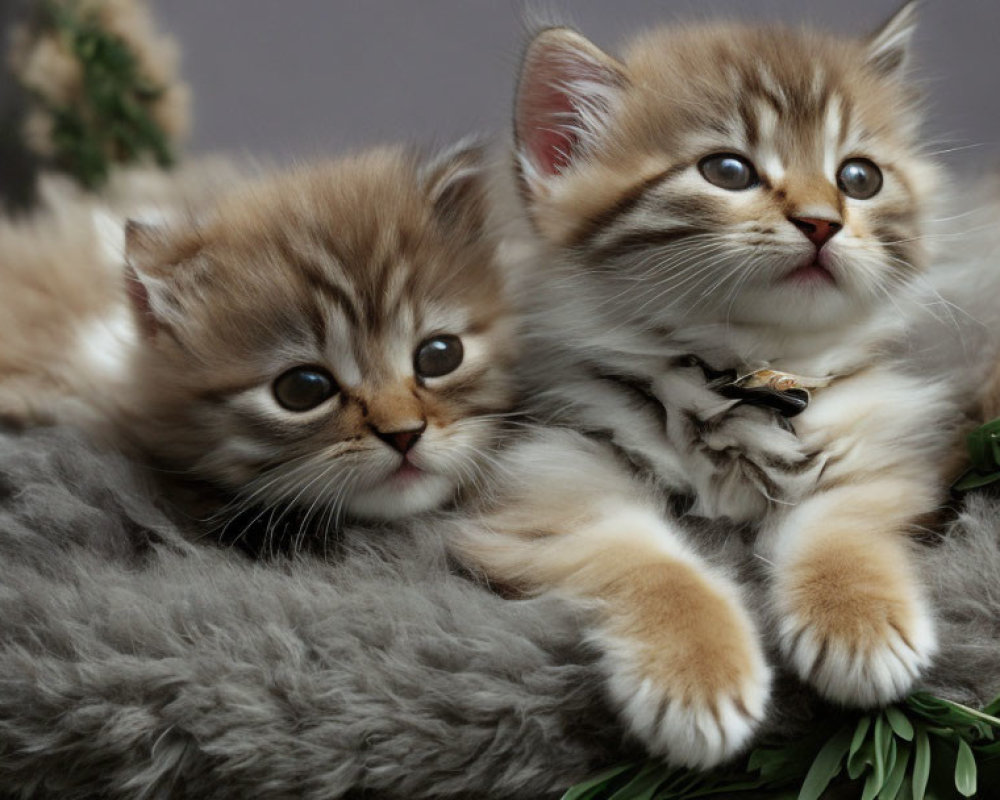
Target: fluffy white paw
column 685, row 665
column 697, row 733
column 871, row 659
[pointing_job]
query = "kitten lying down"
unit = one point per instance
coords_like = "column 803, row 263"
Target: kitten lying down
column 335, row 338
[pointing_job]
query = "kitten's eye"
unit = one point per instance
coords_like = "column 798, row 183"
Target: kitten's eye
column 728, row 171
column 438, row 356
column 859, row 178
column 303, row 388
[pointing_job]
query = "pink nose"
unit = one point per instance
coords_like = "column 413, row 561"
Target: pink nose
column 401, row 441
column 817, row 231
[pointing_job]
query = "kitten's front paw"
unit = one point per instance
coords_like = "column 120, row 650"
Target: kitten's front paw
column 690, row 675
column 859, row 638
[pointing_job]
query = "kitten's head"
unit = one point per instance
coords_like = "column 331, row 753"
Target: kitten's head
column 337, row 337
column 728, row 173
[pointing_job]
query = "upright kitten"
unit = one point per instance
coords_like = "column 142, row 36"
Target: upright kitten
column 335, row 338
column 725, row 198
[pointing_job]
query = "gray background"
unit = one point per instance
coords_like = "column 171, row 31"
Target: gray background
column 285, row 78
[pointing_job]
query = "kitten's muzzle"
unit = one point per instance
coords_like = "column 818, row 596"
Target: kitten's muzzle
column 402, row 441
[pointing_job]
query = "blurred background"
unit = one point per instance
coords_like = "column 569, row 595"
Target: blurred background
column 304, row 77
column 307, row 76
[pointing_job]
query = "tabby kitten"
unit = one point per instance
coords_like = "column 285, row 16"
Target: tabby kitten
column 722, row 199
column 334, row 339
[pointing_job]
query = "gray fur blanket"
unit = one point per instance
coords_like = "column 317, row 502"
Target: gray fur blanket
column 134, row 663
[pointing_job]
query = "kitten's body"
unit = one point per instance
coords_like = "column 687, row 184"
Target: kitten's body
column 52, row 365
column 341, row 278
column 643, row 262
column 64, row 320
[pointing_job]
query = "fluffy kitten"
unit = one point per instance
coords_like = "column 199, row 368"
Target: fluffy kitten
column 335, row 338
column 64, row 322
column 724, row 198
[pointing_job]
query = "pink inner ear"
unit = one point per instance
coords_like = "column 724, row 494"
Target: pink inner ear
column 138, row 298
column 549, row 138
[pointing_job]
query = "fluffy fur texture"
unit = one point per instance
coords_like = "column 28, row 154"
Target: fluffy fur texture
column 137, row 665
column 345, row 271
column 646, row 258
column 45, row 372
column 63, row 318
column 970, row 286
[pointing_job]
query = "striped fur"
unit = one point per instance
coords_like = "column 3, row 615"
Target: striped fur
column 348, row 265
column 640, row 262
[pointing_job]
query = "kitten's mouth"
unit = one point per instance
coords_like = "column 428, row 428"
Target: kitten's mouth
column 810, row 274
column 405, row 474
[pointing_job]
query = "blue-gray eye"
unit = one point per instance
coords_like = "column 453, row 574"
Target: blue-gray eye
column 438, row 356
column 859, row 178
column 304, row 388
column 728, row 171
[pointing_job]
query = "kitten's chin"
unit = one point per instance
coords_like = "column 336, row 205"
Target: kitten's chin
column 393, row 499
column 803, row 305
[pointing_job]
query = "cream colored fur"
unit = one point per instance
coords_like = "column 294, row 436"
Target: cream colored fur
column 346, row 266
column 640, row 262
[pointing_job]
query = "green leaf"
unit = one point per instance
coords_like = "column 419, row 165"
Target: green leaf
column 921, row 763
column 965, row 770
column 871, row 787
column 644, row 785
column 685, row 784
column 864, row 757
column 882, row 738
column 900, row 724
column 826, row 766
column 993, row 709
column 579, row 790
column 594, row 793
column 925, row 749
column 984, row 456
column 973, row 479
column 894, row 782
column 971, row 714
column 926, row 704
column 985, row 752
column 859, row 735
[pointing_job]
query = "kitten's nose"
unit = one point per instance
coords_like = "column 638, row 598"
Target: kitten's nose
column 402, row 441
column 818, row 231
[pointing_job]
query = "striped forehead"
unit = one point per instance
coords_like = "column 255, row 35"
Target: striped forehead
column 369, row 331
column 799, row 122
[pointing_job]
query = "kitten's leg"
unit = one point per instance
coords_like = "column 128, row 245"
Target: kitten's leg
column 682, row 655
column 854, row 622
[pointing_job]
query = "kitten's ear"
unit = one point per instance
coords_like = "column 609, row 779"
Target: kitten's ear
column 455, row 181
column 148, row 296
column 888, row 49
column 567, row 92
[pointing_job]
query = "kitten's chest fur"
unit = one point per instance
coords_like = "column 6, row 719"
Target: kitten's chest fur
column 663, row 416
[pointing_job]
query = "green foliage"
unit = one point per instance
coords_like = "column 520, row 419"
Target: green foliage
column 925, row 748
column 984, row 457
column 112, row 121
